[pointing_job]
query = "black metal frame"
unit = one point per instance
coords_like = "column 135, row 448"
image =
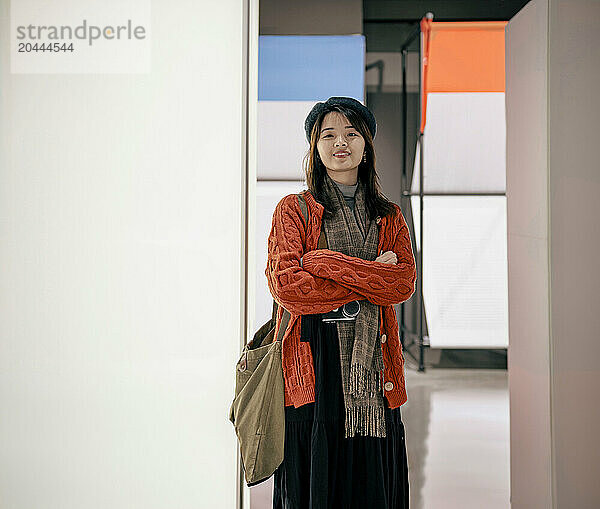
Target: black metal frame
column 406, row 193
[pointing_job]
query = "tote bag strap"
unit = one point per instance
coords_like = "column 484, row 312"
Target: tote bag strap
column 285, row 319
column 322, row 242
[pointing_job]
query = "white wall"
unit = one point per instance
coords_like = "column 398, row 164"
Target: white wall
column 573, row 192
column 553, row 184
column 528, row 257
column 121, row 272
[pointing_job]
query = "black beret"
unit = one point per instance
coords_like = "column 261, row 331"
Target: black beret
column 348, row 102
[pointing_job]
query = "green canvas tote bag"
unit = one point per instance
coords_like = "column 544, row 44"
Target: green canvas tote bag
column 258, row 411
column 258, row 408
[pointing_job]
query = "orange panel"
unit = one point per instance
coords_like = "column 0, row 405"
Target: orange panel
column 462, row 57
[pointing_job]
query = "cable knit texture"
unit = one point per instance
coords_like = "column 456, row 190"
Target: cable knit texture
column 326, row 280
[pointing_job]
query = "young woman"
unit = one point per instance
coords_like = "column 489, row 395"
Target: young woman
column 338, row 266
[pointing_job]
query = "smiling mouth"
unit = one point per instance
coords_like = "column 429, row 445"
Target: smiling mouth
column 342, row 155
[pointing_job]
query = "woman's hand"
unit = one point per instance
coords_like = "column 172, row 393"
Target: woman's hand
column 387, row 257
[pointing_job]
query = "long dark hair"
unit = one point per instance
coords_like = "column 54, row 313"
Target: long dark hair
column 376, row 202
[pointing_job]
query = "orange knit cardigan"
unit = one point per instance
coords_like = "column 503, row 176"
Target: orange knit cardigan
column 327, row 279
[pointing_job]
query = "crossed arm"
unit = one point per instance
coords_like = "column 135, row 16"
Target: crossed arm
column 327, row 279
column 297, row 290
column 380, row 283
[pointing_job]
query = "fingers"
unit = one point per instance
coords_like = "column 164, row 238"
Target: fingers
column 388, row 257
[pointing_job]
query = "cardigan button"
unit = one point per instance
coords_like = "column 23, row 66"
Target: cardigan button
column 388, row 386
column 383, row 338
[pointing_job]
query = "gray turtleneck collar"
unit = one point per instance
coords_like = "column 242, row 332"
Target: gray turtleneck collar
column 348, row 192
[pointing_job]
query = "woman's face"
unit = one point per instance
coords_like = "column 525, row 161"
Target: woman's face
column 340, row 146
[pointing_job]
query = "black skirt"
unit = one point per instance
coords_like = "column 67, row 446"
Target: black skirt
column 323, row 469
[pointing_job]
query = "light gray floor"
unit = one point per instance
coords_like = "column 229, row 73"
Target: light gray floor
column 457, row 438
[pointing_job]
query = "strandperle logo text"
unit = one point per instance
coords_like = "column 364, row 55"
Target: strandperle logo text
column 82, row 32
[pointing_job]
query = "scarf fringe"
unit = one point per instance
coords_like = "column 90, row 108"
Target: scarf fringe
column 365, row 421
column 364, row 382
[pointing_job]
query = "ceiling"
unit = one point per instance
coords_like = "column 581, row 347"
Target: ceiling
column 387, row 24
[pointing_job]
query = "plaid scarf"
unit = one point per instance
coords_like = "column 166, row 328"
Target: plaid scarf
column 360, row 349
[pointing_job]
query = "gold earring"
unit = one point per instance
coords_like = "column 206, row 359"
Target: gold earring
column 365, row 157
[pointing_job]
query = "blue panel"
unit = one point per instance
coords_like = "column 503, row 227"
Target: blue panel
column 310, row 67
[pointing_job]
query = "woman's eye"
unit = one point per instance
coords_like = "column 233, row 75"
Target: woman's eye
column 327, row 135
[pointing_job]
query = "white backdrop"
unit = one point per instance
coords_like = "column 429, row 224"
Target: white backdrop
column 465, row 272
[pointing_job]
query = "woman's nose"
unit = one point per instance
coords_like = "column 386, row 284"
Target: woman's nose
column 340, row 141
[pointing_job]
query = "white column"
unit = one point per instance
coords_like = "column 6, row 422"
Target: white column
column 528, row 257
column 574, row 219
column 553, row 184
column 121, row 272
